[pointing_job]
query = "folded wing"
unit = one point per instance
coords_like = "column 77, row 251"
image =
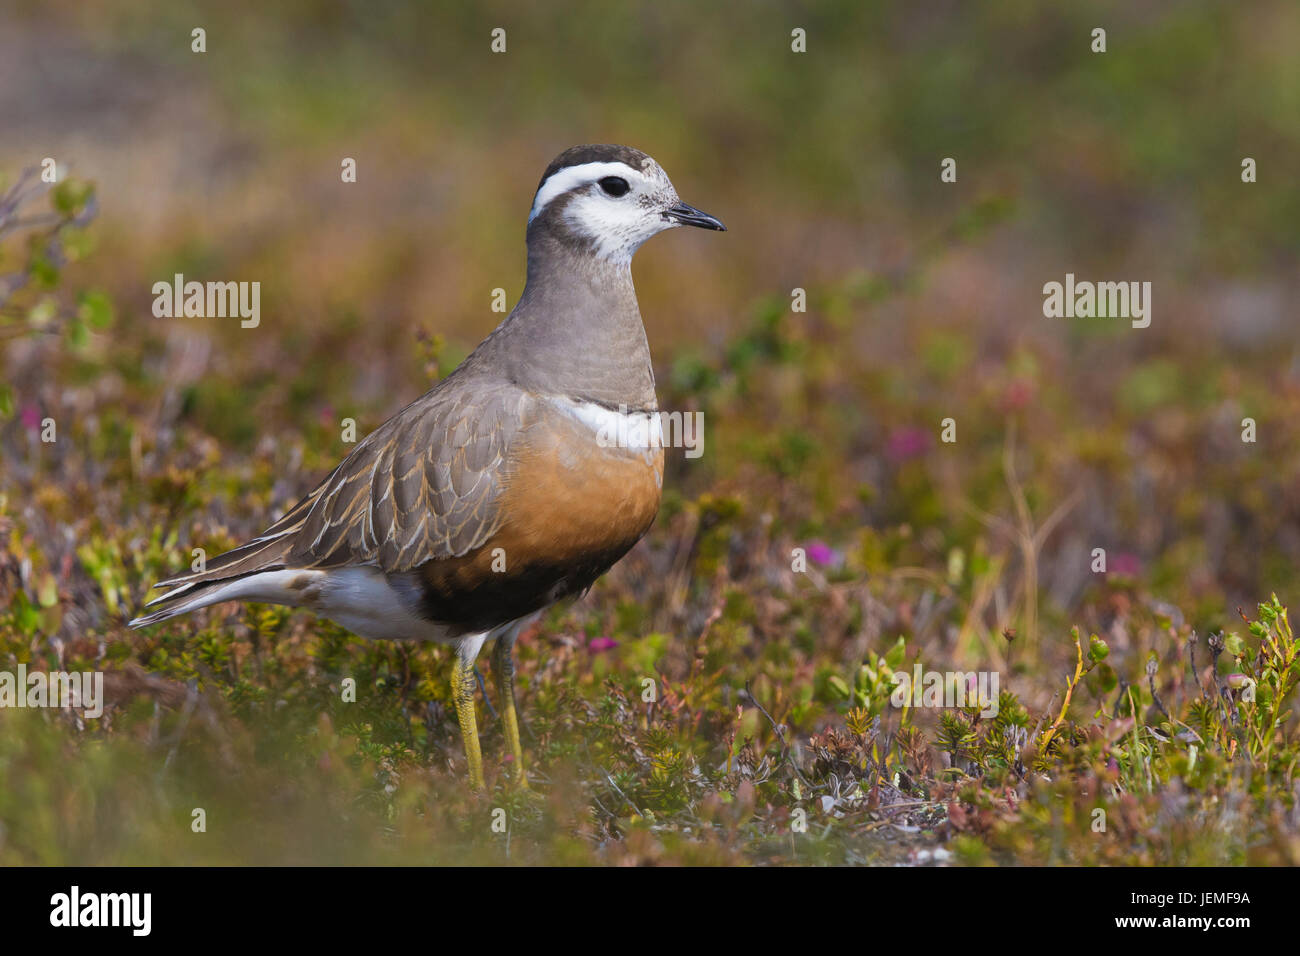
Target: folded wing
column 424, row 485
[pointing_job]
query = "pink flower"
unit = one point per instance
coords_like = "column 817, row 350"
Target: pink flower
column 30, row 416
column 1127, row 564
column 600, row 644
column 907, row 443
column 1017, row 395
column 819, row 552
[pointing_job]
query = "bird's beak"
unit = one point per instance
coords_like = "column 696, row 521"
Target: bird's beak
column 690, row 216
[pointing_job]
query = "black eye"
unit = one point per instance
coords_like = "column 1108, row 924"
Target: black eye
column 614, row 185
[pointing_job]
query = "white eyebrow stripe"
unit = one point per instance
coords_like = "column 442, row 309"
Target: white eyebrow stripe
column 562, row 180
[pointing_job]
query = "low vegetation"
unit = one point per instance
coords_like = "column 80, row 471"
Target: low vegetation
column 730, row 692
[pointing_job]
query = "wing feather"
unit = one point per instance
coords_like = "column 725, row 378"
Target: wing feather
column 431, row 498
column 424, row 485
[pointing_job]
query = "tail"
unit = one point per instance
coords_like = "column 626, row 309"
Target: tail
column 254, row 571
column 184, row 598
column 251, row 572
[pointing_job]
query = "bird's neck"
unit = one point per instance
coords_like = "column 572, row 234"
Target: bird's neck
column 577, row 331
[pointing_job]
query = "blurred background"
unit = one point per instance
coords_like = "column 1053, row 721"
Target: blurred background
column 924, row 300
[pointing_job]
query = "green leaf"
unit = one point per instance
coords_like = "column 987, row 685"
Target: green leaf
column 78, row 335
column 896, row 654
column 43, row 312
column 70, row 196
column 837, row 684
column 48, row 591
column 43, row 270
column 26, row 617
column 95, row 309
column 76, row 243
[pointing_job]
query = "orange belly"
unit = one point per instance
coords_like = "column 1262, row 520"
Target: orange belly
column 569, row 511
column 567, row 497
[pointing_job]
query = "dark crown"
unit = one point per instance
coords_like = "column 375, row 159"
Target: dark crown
column 596, row 153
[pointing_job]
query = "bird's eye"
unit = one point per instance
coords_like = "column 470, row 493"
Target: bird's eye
column 614, row 185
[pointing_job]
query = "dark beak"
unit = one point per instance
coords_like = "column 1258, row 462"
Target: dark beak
column 690, row 216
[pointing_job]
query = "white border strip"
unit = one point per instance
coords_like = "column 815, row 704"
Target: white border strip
column 562, row 180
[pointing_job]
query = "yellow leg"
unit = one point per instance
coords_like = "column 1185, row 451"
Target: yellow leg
column 462, row 692
column 503, row 669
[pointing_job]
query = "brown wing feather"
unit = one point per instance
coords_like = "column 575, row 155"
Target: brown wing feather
column 423, row 485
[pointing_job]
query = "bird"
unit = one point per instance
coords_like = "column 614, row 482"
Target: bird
column 499, row 492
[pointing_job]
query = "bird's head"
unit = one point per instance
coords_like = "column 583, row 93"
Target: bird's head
column 607, row 200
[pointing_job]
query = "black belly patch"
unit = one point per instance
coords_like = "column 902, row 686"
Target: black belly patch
column 498, row 598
